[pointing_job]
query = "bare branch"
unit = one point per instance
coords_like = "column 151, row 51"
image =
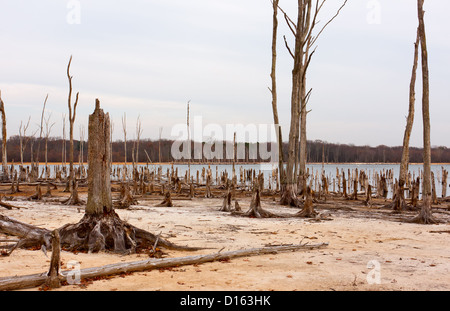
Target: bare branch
column 323, row 28
column 288, row 48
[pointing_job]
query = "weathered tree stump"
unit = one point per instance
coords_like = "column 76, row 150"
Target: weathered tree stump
column 368, row 200
column 38, row 195
column 53, row 280
column 101, row 229
column 255, row 209
column 167, row 202
column 226, row 204
column 308, row 208
column 126, row 199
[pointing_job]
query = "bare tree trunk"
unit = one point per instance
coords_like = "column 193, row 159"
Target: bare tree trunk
column 5, row 175
column 444, row 182
column 273, row 91
column 124, row 127
column 399, row 202
column 63, row 148
column 40, row 135
column 304, row 40
column 99, row 172
column 72, row 115
column 425, row 215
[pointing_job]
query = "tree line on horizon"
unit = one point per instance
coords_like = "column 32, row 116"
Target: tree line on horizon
column 154, row 151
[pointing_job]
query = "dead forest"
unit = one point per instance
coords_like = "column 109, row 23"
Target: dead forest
column 97, row 182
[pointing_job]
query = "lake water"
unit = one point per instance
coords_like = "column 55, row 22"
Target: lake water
column 314, row 170
column 329, row 169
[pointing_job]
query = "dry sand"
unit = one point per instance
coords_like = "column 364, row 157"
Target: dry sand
column 410, row 256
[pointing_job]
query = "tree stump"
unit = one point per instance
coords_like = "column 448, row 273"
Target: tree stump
column 226, row 204
column 308, row 208
column 255, row 209
column 53, row 280
column 167, row 202
column 38, row 195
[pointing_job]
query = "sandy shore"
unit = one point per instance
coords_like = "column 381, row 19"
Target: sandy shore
column 406, row 256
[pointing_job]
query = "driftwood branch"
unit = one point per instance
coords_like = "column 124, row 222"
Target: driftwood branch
column 34, row 280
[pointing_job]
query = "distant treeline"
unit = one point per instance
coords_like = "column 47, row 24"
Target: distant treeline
column 160, row 151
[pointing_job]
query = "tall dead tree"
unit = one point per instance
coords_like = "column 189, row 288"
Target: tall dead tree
column 124, row 128
column 23, row 139
column 48, row 129
column 273, row 91
column 5, row 175
column 425, row 215
column 72, row 114
column 305, row 39
column 63, row 147
column 159, row 144
column 188, row 141
column 138, row 137
column 399, row 202
column 40, row 136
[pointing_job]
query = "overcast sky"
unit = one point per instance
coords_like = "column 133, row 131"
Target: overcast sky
column 150, row 57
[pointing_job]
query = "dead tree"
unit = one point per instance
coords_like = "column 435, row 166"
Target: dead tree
column 48, row 129
column 208, row 185
column 308, row 208
column 273, row 91
column 5, row 175
column 415, row 189
column 124, row 128
column 63, row 147
column 226, row 204
column 73, row 199
column 425, row 215
column 126, row 199
column 38, row 195
column 255, row 210
column 444, row 182
column 305, row 39
column 53, row 280
column 23, row 135
column 101, row 228
column 167, row 202
column 28, row 281
column 398, row 203
column 368, row 200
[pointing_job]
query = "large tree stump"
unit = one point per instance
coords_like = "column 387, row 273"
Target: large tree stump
column 101, row 228
column 256, row 210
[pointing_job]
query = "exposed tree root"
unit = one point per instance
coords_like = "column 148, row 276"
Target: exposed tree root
column 93, row 233
column 167, row 202
column 424, row 219
column 126, row 198
column 255, row 210
column 308, row 208
column 74, row 199
column 289, row 197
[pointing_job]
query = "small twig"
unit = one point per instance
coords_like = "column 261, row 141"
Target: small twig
column 156, row 242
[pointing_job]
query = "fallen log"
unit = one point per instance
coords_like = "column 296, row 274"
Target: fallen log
column 35, row 280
